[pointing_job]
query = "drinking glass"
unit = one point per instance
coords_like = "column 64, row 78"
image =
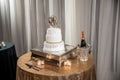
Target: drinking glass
column 84, row 53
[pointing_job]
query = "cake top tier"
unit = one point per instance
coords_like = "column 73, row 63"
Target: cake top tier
column 53, row 35
column 53, row 31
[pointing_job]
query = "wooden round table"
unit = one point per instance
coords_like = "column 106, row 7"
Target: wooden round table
column 77, row 71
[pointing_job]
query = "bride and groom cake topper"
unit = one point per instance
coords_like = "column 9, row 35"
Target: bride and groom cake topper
column 52, row 21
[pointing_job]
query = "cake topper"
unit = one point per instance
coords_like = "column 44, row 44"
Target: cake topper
column 52, row 21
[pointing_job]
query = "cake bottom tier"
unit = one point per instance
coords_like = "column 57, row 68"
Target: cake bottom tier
column 53, row 46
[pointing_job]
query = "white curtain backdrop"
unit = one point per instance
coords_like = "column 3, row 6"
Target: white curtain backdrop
column 100, row 20
column 24, row 22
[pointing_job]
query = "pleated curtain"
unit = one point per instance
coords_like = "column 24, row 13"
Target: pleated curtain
column 24, row 22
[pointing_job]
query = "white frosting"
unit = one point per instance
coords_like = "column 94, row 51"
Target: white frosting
column 53, row 46
column 53, row 35
column 53, row 41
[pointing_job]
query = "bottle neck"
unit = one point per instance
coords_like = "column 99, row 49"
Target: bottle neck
column 83, row 36
column 83, row 42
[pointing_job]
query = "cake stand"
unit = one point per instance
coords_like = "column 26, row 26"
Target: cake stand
column 53, row 57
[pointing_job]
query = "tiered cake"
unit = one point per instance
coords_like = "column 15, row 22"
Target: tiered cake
column 54, row 40
column 54, row 50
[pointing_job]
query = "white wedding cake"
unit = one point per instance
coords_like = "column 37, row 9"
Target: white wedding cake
column 54, row 40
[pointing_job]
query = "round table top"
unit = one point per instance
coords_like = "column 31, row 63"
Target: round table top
column 75, row 68
column 8, row 45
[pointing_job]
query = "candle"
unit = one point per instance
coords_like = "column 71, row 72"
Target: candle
column 49, row 56
column 40, row 62
column 67, row 63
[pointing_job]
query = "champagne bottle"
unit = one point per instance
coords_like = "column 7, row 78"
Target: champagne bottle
column 83, row 42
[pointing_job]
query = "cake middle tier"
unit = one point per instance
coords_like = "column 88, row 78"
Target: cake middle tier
column 58, row 46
